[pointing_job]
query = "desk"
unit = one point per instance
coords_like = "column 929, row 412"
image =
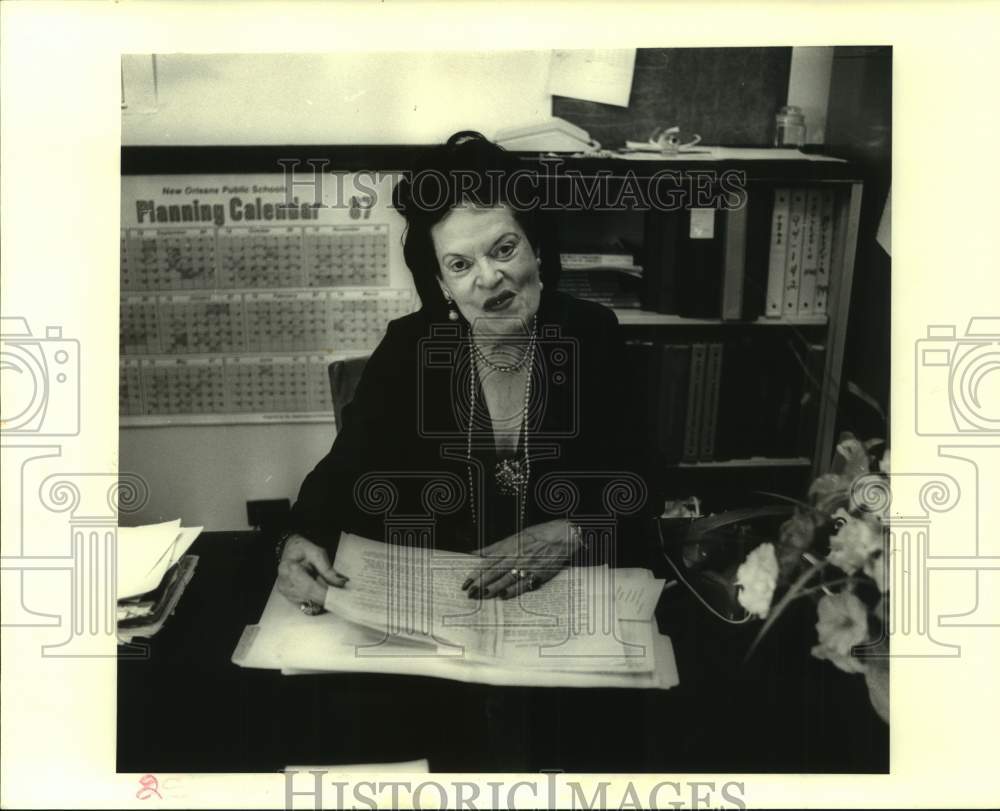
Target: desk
column 186, row 708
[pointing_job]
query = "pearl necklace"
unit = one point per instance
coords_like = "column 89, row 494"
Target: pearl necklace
column 499, row 367
column 512, row 475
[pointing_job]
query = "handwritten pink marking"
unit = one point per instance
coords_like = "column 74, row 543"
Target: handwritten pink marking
column 150, row 786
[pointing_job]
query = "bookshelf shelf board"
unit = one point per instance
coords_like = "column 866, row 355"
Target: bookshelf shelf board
column 757, row 461
column 630, row 317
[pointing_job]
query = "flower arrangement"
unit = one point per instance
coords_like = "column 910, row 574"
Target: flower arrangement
column 830, row 548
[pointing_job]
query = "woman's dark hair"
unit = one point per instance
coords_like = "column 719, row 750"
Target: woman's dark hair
column 466, row 169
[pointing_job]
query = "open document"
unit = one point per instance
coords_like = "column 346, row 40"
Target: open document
column 404, row 612
column 414, row 594
column 285, row 639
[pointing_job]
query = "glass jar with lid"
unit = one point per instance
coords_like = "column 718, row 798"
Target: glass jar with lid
column 789, row 127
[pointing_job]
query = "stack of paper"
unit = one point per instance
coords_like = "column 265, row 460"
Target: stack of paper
column 403, row 611
column 152, row 571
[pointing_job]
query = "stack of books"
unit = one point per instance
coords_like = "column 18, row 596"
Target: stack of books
column 612, row 279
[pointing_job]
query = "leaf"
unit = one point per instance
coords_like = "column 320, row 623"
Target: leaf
column 867, row 399
column 851, row 459
column 795, row 590
column 830, row 491
column 712, row 523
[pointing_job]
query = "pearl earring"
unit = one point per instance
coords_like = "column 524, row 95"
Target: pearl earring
column 452, row 309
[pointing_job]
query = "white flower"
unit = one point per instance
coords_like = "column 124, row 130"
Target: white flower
column 855, row 542
column 875, row 569
column 757, row 577
column 842, row 623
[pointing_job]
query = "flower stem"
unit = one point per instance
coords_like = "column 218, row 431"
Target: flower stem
column 793, row 592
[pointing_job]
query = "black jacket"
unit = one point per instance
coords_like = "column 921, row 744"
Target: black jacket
column 398, row 468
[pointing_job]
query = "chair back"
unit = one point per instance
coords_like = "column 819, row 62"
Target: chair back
column 344, row 377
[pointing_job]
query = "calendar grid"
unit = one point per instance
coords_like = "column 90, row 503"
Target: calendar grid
column 238, row 319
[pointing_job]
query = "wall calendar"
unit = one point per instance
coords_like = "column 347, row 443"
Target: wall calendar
column 235, row 299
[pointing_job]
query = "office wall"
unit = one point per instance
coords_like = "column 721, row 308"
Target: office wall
column 205, row 474
column 342, row 98
column 727, row 95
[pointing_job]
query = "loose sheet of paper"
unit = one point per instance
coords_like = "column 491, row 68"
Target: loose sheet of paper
column 145, row 553
column 637, row 592
column 603, row 75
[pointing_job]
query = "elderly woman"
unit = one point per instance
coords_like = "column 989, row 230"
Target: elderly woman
column 503, row 387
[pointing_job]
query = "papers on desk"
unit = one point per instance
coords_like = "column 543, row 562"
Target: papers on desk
column 146, row 553
column 152, row 573
column 404, row 612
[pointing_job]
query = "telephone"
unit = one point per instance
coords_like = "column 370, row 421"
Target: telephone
column 554, row 135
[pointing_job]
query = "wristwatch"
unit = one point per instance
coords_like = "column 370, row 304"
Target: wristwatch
column 279, row 547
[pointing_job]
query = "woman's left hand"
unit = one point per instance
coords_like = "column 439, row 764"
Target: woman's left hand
column 523, row 562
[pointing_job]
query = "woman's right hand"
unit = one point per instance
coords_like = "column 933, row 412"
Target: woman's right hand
column 305, row 572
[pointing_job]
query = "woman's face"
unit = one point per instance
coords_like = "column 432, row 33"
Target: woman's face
column 488, row 267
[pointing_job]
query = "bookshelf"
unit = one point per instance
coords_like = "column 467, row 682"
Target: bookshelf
column 663, row 242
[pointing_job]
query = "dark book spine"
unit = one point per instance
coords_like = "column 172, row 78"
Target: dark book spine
column 699, row 264
column 734, row 263
column 675, row 373
column 710, row 414
column 659, row 260
column 696, row 397
column 641, row 369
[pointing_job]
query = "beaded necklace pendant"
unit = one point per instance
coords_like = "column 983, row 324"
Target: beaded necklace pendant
column 511, row 474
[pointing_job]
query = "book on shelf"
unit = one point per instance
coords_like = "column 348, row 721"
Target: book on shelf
column 613, row 287
column 640, row 405
column 793, row 262
column 710, row 405
column 674, row 383
column 695, row 403
column 734, row 272
column 810, row 253
column 659, row 248
column 778, row 253
column 698, row 263
column 586, row 261
column 824, row 252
